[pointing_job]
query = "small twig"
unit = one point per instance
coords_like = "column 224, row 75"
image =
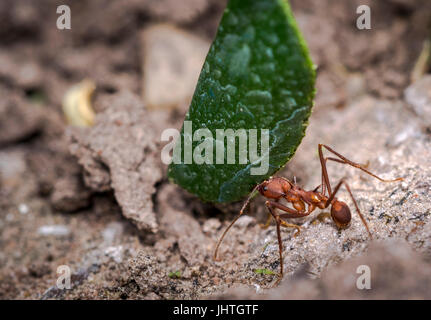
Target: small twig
column 423, row 62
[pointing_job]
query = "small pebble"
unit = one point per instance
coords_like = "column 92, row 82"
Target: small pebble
column 245, row 221
column 23, row 208
column 115, row 252
column 53, row 230
column 211, row 225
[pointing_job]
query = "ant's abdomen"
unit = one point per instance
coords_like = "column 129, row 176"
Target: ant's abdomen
column 340, row 213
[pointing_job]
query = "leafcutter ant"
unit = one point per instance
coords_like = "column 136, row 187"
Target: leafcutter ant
column 305, row 202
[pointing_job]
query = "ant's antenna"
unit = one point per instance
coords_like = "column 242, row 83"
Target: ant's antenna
column 237, row 217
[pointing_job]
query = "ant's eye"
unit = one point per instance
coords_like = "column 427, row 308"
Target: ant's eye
column 265, row 188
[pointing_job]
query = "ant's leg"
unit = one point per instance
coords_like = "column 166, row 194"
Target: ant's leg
column 325, row 178
column 323, row 182
column 280, row 252
column 290, row 213
column 315, row 189
column 354, row 202
column 349, row 162
column 290, row 225
column 268, row 220
column 267, row 223
column 234, row 220
column 270, row 206
column 365, row 165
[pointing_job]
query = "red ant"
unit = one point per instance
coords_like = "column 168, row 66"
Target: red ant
column 277, row 188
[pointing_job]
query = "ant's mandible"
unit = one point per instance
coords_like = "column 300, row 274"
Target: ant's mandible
column 305, row 202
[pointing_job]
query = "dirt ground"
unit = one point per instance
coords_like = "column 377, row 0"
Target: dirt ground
column 97, row 198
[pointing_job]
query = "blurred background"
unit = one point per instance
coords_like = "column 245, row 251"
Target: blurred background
column 82, row 183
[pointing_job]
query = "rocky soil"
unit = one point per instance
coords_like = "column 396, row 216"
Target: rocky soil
column 97, row 199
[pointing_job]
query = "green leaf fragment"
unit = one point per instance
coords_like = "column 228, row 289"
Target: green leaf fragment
column 264, row 271
column 175, row 275
column 257, row 75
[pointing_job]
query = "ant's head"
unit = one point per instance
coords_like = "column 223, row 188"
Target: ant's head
column 340, row 213
column 274, row 188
